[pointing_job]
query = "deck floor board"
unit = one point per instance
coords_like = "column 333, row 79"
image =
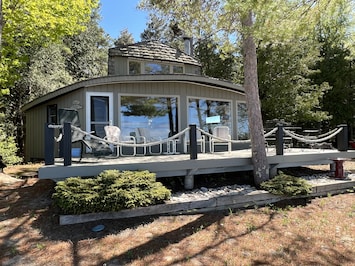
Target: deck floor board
column 181, row 164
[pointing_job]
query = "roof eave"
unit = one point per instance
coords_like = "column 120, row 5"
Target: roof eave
column 133, row 79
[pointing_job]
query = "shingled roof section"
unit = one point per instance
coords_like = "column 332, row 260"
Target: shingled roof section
column 153, row 50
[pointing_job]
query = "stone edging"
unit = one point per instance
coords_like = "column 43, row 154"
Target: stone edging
column 255, row 198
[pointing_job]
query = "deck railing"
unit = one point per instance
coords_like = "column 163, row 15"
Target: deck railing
column 65, row 140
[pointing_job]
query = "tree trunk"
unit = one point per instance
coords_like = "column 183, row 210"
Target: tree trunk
column 259, row 158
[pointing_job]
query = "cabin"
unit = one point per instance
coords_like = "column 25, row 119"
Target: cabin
column 149, row 85
column 157, row 89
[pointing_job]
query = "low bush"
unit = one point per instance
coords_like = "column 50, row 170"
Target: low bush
column 111, row 190
column 8, row 149
column 287, row 185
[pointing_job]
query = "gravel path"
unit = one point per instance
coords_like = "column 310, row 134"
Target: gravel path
column 206, row 193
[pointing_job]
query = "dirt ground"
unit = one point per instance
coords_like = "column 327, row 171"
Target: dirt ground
column 320, row 231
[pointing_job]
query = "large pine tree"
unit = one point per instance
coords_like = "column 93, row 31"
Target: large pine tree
column 255, row 22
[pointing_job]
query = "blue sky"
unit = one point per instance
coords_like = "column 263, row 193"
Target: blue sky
column 118, row 15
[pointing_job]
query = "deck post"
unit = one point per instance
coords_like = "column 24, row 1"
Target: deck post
column 342, row 138
column 273, row 170
column 67, row 144
column 48, row 145
column 280, row 140
column 193, row 142
column 189, row 181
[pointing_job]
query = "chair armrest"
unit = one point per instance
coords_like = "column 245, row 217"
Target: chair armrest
column 129, row 139
column 141, row 139
column 91, row 132
column 59, row 139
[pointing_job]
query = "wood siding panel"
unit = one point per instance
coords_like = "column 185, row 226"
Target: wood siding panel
column 35, row 131
column 117, row 66
column 36, row 118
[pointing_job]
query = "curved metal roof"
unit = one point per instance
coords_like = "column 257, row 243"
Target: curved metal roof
column 206, row 81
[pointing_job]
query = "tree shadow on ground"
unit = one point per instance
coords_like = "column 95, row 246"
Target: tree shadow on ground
column 48, row 224
column 176, row 184
column 291, row 252
column 29, row 202
column 156, row 244
column 19, row 203
column 36, row 199
column 304, row 171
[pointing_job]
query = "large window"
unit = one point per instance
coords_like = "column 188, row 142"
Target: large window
column 99, row 113
column 154, row 68
column 207, row 114
column 157, row 114
column 135, row 68
column 69, row 116
column 242, row 121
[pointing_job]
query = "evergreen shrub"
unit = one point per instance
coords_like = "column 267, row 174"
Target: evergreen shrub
column 8, row 149
column 111, row 190
column 287, row 185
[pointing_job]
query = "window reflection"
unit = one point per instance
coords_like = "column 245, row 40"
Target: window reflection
column 207, row 114
column 158, row 114
column 52, row 114
column 178, row 70
column 134, row 68
column 99, row 116
column 154, row 68
column 242, row 121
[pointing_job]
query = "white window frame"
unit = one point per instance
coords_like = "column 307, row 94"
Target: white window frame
column 143, row 62
column 88, row 107
column 211, row 99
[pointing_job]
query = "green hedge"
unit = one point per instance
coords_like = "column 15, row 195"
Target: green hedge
column 111, row 190
column 287, row 185
column 8, row 149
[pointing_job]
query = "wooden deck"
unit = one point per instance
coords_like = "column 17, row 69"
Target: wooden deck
column 182, row 165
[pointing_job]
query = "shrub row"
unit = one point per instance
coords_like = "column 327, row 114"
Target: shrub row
column 287, row 185
column 111, row 190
